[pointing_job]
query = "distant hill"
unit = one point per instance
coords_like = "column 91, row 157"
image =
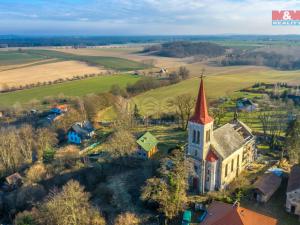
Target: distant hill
column 181, row 49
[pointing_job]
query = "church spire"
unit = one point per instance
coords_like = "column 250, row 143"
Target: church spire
column 201, row 112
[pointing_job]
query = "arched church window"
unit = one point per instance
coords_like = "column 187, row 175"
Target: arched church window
column 198, row 137
column 207, row 135
column 194, row 136
column 226, row 170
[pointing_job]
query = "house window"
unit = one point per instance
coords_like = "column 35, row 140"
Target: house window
column 226, row 170
column 198, row 137
column 238, row 161
column 194, row 136
column 208, row 136
column 232, row 165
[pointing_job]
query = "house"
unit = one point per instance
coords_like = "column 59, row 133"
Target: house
column 147, row 146
column 220, row 213
column 293, row 191
column 266, row 186
column 80, row 131
column 14, row 181
column 163, row 71
column 218, row 155
column 56, row 112
column 245, row 105
column 59, row 109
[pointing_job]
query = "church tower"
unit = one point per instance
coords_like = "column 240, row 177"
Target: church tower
column 200, row 127
column 200, row 133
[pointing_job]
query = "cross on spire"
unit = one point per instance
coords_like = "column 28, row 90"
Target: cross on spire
column 201, row 112
column 202, row 74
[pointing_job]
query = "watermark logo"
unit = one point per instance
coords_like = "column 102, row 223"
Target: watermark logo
column 286, row 17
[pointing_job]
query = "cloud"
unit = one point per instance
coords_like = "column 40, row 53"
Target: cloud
column 144, row 16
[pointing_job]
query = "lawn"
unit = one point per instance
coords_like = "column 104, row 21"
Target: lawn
column 107, row 62
column 72, row 88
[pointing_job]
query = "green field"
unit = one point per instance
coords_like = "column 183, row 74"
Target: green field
column 33, row 55
column 72, row 88
column 107, row 62
column 217, row 85
column 18, row 57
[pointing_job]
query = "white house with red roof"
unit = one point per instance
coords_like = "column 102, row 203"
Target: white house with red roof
column 219, row 155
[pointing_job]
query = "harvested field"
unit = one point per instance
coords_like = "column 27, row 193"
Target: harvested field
column 130, row 53
column 46, row 72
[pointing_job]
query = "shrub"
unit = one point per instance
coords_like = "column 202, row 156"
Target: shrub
column 127, row 219
column 36, row 173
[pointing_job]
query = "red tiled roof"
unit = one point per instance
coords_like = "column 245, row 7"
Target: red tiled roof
column 220, row 213
column 211, row 156
column 201, row 113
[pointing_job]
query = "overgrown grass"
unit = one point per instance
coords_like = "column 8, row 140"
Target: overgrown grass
column 71, row 88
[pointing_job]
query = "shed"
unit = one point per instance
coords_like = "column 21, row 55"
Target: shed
column 293, row 191
column 14, row 181
column 266, row 186
column 147, row 145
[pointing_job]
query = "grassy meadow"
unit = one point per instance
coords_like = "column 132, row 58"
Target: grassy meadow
column 71, row 88
column 218, row 83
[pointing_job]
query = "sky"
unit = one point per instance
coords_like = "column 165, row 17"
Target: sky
column 143, row 17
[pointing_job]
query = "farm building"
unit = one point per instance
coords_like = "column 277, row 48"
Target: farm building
column 266, row 186
column 220, row 213
column 147, row 146
column 245, row 105
column 80, row 131
column 293, row 191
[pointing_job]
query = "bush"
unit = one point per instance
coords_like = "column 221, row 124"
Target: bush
column 127, row 219
column 67, row 156
column 36, row 173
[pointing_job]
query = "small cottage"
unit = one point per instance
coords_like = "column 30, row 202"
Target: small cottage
column 293, row 191
column 245, row 105
column 266, row 186
column 147, row 145
column 80, row 131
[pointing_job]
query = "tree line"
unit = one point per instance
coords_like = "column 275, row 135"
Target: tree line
column 181, row 49
column 261, row 58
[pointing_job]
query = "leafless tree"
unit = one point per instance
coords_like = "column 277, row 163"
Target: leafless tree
column 184, row 105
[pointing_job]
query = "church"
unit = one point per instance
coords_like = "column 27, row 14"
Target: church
column 218, row 155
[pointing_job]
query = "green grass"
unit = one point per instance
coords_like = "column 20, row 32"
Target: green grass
column 216, row 85
column 72, row 88
column 107, row 62
column 16, row 57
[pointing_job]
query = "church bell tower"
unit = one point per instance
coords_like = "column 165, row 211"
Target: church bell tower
column 200, row 127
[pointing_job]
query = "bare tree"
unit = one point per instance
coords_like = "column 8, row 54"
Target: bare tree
column 122, row 143
column 169, row 190
column 69, row 206
column 184, row 105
